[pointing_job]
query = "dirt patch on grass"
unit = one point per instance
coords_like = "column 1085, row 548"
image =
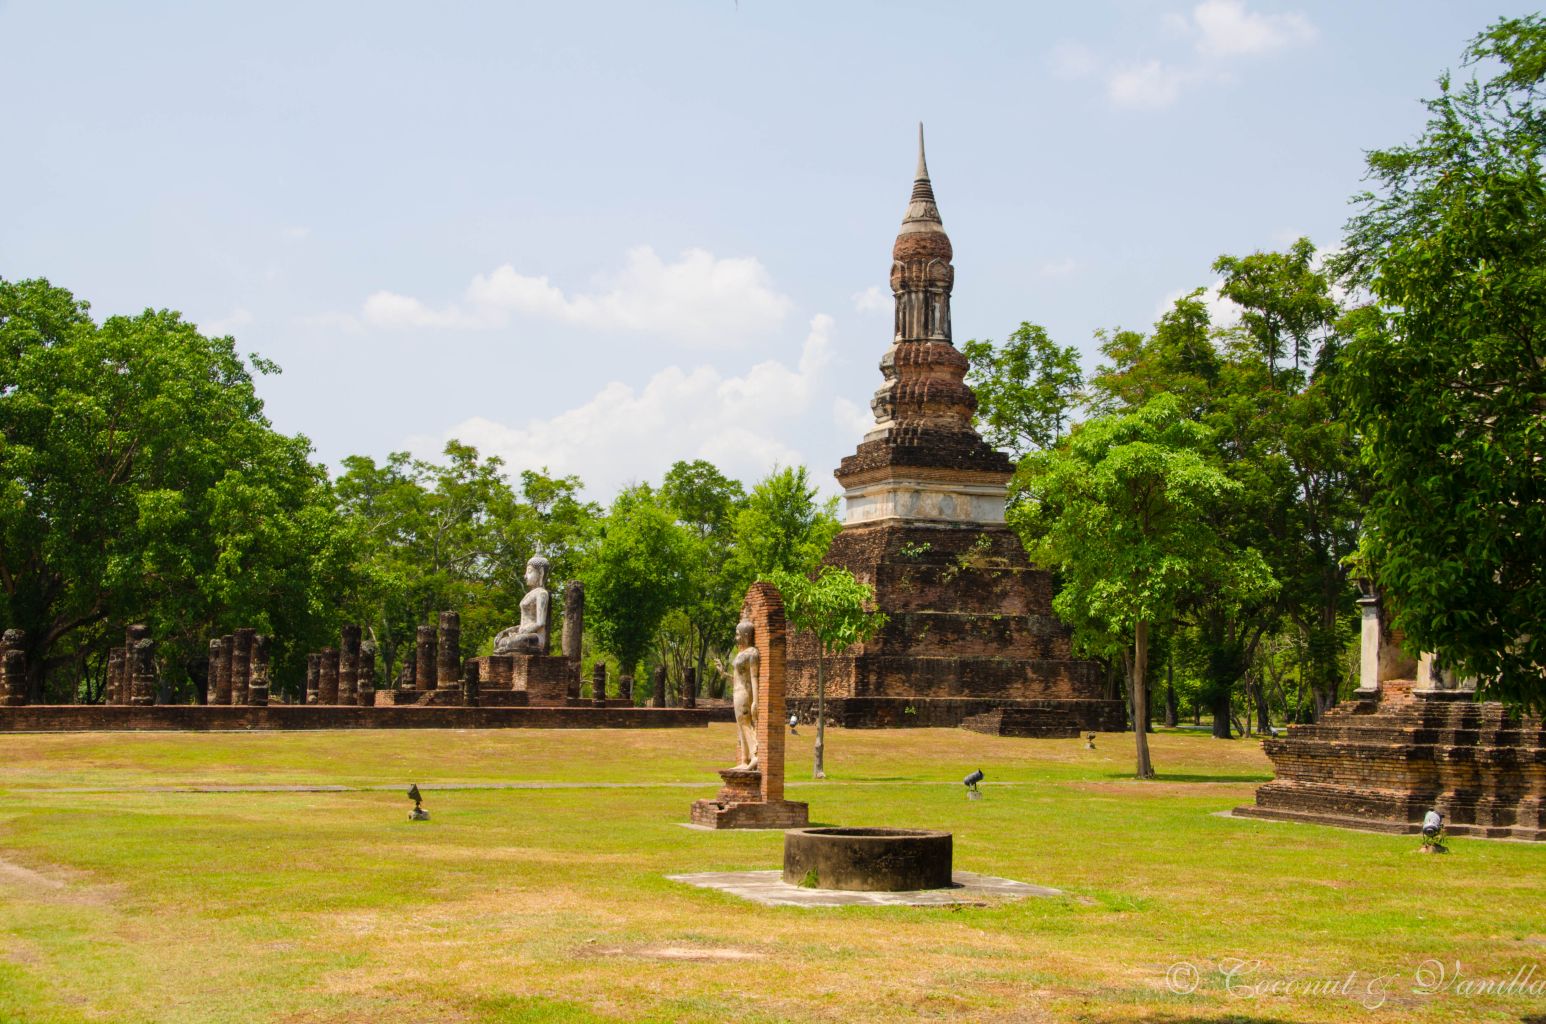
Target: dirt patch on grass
column 60, row 885
column 700, row 954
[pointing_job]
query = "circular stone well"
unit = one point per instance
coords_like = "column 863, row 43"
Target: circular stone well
column 868, row 859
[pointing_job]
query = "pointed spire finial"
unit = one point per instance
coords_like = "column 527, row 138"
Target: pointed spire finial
column 922, row 214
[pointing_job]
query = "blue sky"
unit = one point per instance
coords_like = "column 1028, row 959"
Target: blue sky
column 600, row 237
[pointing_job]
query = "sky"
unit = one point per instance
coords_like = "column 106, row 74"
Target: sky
column 599, row 237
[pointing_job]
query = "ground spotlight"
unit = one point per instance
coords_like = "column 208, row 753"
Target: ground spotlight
column 1433, row 833
column 972, row 792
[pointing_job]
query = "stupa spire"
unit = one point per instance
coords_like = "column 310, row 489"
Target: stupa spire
column 922, row 213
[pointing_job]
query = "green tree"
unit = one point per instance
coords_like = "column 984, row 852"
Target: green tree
column 1446, row 374
column 782, row 527
column 705, row 503
column 140, row 481
column 635, row 573
column 1125, row 508
column 835, row 607
column 1027, row 391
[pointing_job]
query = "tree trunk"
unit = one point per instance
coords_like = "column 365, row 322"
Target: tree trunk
column 821, row 712
column 1263, row 713
column 1141, row 698
column 1219, row 705
column 1170, row 694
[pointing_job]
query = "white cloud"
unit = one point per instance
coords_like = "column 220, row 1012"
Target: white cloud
column 699, row 299
column 1222, row 312
column 295, row 232
column 229, row 324
column 851, row 419
column 1226, row 29
column 873, row 299
column 1147, row 86
column 1218, row 30
column 623, row 434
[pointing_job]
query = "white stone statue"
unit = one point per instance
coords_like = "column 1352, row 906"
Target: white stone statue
column 531, row 636
column 744, row 674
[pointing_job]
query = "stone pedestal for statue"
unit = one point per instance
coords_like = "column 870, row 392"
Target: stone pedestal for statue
column 753, row 797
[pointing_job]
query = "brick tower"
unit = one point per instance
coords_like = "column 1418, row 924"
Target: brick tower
column 971, row 636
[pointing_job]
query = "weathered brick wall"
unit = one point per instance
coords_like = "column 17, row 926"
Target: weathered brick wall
column 191, row 717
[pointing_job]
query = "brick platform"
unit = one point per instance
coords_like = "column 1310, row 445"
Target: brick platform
column 1381, row 764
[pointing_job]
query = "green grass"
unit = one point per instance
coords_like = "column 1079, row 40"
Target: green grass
column 122, row 901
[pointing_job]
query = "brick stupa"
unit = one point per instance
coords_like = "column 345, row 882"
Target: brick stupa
column 971, row 636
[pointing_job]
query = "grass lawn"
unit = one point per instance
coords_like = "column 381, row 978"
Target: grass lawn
column 128, row 896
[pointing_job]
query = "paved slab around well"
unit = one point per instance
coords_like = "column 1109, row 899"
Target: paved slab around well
column 770, row 889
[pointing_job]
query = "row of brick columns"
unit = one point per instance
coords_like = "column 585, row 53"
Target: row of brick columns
column 239, row 669
column 343, row 675
column 131, row 669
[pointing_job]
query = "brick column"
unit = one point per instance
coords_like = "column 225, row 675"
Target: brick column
column 349, row 665
column 115, row 662
column 1369, row 648
column 448, row 656
column 470, row 683
column 142, row 661
column 625, row 688
column 574, row 621
column 658, row 698
column 424, row 669
column 327, row 676
column 598, row 684
column 367, row 681
column 690, row 688
column 313, row 677
column 223, row 676
column 13, row 668
column 257, row 692
column 241, row 665
column 764, row 608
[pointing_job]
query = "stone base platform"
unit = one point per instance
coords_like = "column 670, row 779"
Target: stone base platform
column 1381, row 764
column 952, row 712
column 761, row 814
column 770, row 889
column 1037, row 723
